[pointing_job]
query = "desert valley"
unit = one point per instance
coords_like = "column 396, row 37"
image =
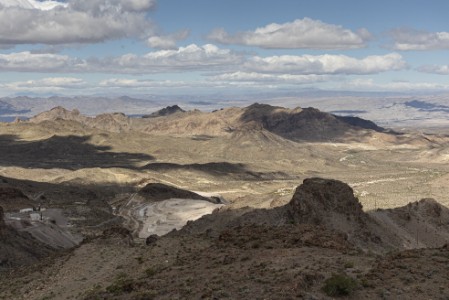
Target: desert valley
column 237, row 203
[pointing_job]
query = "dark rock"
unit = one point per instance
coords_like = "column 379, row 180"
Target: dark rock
column 169, row 110
column 2, row 222
column 160, row 192
column 151, row 240
column 317, row 198
column 359, row 122
column 303, row 123
column 116, row 231
column 13, row 199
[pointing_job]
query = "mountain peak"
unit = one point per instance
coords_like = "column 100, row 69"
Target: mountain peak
column 169, row 110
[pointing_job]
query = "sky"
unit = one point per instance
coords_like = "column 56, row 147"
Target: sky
column 137, row 47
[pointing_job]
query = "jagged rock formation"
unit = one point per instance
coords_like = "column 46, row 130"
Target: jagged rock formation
column 169, row 110
column 331, row 204
column 318, row 201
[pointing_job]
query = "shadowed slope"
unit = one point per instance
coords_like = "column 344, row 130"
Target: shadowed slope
column 66, row 152
column 304, row 124
column 160, row 192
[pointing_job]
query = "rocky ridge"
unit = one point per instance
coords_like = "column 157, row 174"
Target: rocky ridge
column 299, row 124
column 331, row 204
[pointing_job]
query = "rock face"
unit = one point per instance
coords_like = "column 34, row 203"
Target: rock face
column 13, row 199
column 2, row 222
column 320, row 200
column 331, row 204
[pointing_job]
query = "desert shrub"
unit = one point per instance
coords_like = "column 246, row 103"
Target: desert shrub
column 349, row 264
column 121, row 284
column 339, row 285
column 150, row 272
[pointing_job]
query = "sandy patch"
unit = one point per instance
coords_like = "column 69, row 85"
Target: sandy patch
column 162, row 217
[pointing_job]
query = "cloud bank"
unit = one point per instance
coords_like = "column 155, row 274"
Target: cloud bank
column 435, row 69
column 208, row 58
column 408, row 39
column 299, row 34
column 326, row 64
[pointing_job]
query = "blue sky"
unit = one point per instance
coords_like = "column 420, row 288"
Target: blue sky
column 134, row 47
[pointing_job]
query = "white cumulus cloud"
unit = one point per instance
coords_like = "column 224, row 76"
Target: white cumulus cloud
column 325, row 64
column 74, row 21
column 300, row 34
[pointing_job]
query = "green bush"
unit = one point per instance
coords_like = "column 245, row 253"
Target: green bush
column 339, row 285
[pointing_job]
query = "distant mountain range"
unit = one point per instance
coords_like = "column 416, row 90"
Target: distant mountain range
column 394, row 111
column 299, row 124
column 26, row 107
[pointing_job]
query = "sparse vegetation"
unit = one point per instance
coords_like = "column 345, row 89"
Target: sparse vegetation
column 122, row 284
column 150, row 272
column 339, row 285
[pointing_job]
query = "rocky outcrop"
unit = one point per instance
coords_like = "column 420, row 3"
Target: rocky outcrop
column 2, row 222
column 58, row 113
column 169, row 110
column 320, row 201
column 13, row 199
